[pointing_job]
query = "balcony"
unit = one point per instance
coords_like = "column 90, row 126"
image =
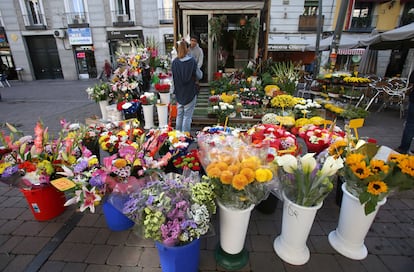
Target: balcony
column 363, row 24
column 122, row 19
column 165, row 16
column 77, row 19
column 309, row 22
column 34, row 21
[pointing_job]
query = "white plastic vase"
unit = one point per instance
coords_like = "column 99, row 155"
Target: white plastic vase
column 148, row 111
column 297, row 222
column 165, row 98
column 233, row 228
column 353, row 226
column 102, row 105
column 162, row 110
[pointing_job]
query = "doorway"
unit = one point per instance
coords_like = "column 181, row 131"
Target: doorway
column 85, row 61
column 45, row 57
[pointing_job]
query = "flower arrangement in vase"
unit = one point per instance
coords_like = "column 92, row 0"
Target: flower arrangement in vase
column 162, row 88
column 100, row 92
column 148, row 98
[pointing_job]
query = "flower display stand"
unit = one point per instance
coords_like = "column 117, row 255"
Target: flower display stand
column 148, row 111
column 162, row 111
column 353, row 226
column 179, row 258
column 230, row 253
column 45, row 203
column 115, row 219
column 165, row 98
column 297, row 222
column 102, row 105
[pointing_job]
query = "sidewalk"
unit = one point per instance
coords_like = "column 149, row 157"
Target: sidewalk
column 82, row 242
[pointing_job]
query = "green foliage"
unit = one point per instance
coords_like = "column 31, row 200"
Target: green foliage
column 352, row 112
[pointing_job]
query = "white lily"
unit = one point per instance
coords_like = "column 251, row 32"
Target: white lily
column 308, row 163
column 331, row 166
column 288, row 162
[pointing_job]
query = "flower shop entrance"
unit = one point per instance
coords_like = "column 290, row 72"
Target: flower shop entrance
column 194, row 19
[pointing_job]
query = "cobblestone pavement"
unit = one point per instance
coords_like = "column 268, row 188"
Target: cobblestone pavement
column 83, row 242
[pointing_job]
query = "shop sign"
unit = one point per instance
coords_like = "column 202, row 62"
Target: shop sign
column 79, row 36
column 286, row 47
column 80, row 55
column 125, row 34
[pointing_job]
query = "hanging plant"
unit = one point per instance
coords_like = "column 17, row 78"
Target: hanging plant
column 216, row 27
column 248, row 32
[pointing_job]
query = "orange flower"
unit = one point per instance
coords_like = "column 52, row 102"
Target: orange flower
column 378, row 166
column 248, row 173
column 239, row 182
column 214, row 172
column 234, row 168
column 226, row 177
column 120, row 163
column 354, row 158
column 377, row 187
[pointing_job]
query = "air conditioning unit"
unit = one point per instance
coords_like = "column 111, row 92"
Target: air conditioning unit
column 59, row 33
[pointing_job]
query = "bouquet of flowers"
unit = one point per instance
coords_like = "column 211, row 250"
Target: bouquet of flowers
column 100, row 92
column 223, row 111
column 162, row 88
column 318, row 138
column 112, row 140
column 251, row 97
column 372, row 172
column 173, row 210
column 148, row 98
column 188, row 160
column 238, row 169
column 307, row 180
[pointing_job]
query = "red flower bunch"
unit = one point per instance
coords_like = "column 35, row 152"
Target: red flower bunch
column 162, row 88
column 164, row 76
column 189, row 160
column 317, row 138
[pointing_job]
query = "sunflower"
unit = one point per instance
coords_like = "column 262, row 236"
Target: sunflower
column 378, row 166
column 377, row 187
column 354, row 158
column 360, row 170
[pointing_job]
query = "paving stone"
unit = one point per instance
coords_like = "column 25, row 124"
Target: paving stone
column 118, row 237
column 267, row 227
column 149, row 258
column 88, row 220
column 99, row 254
column 407, row 228
column 396, row 204
column 398, row 263
column 78, row 253
column 322, row 262
column 51, row 229
column 123, row 255
column 135, row 240
column 135, row 269
column 10, row 244
column 60, row 253
column 374, row 263
column 265, row 261
column 409, row 203
column 380, row 246
column 102, row 268
column 316, row 229
column 10, row 202
column 30, row 228
column 386, row 216
column 262, row 243
column 403, row 246
column 18, row 263
column 151, row 269
column 101, row 236
column 30, row 245
column 386, row 230
column 347, row 264
column 330, row 215
column 82, row 235
column 320, row 244
column 5, row 259
column 70, row 267
column 52, row 266
column 207, row 261
column 11, row 212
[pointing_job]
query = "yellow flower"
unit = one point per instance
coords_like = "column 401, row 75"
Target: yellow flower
column 248, row 173
column 93, row 161
column 360, row 170
column 120, row 163
column 263, row 175
column 226, row 177
column 3, row 166
column 239, row 182
column 378, row 166
column 377, row 187
column 354, row 158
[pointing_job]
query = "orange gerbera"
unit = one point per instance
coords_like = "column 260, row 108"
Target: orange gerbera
column 248, row 173
column 214, row 172
column 235, row 168
column 378, row 166
column 354, row 158
column 120, row 163
column 377, row 187
column 226, row 177
column 360, row 170
column 239, row 182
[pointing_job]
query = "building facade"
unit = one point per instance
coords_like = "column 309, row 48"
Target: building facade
column 70, row 39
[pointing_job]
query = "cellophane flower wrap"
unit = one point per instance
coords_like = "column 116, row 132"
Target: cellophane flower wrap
column 173, row 210
column 239, row 170
column 307, row 180
column 373, row 172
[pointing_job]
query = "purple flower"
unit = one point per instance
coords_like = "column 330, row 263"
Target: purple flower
column 170, row 232
column 9, row 171
column 82, row 165
column 96, row 181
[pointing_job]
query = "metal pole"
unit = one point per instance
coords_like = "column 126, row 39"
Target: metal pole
column 317, row 60
column 339, row 26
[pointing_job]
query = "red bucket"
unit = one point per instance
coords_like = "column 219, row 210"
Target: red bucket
column 46, row 203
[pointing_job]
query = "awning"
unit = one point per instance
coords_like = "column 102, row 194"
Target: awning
column 356, row 51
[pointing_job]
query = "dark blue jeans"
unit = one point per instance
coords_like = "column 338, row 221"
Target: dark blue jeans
column 408, row 132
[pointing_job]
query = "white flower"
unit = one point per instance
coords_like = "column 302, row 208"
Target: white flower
column 331, row 166
column 308, row 162
column 288, row 162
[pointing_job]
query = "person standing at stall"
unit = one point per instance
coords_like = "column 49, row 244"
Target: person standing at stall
column 186, row 73
column 408, row 132
column 196, row 52
column 107, row 70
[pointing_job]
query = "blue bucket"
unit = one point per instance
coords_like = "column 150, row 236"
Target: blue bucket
column 116, row 220
column 179, row 258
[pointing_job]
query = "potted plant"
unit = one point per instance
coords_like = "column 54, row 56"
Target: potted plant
column 306, row 181
column 174, row 211
column 217, row 26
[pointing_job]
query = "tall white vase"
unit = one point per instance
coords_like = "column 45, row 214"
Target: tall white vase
column 165, row 98
column 353, row 226
column 233, row 228
column 162, row 111
column 297, row 222
column 148, row 111
column 102, row 105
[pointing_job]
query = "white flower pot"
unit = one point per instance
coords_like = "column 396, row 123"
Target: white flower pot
column 353, row 226
column 165, row 98
column 162, row 110
column 297, row 222
column 233, row 228
column 102, row 105
column 148, row 111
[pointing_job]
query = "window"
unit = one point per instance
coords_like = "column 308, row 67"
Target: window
column 122, row 7
column 76, row 11
column 33, row 11
column 310, row 7
column 165, row 11
column 122, row 11
column 408, row 14
column 362, row 15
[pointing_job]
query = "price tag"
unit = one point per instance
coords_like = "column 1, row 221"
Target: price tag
column 63, row 184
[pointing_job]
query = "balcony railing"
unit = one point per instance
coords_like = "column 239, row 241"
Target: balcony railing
column 34, row 21
column 363, row 24
column 308, row 22
column 122, row 19
column 77, row 19
column 165, row 15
